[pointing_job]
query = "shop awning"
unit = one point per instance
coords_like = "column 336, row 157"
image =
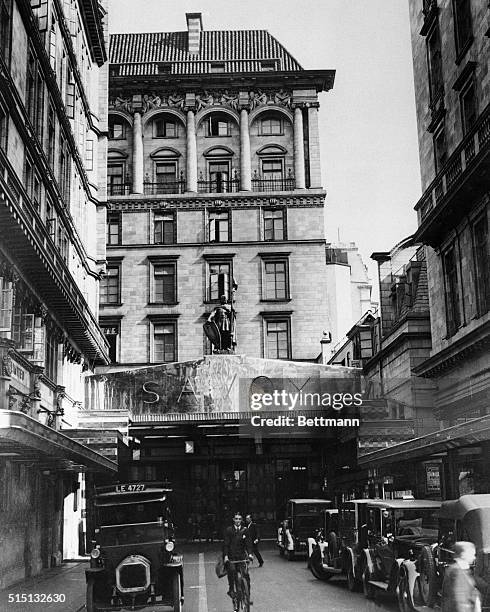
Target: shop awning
column 22, row 438
column 464, row 434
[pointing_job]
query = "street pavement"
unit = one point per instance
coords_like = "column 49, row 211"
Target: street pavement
column 279, row 586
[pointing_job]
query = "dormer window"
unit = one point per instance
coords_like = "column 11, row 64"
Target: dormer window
column 268, row 65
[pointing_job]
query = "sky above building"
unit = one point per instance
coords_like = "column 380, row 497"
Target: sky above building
column 368, row 131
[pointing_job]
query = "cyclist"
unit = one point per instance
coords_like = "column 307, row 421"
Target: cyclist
column 236, row 547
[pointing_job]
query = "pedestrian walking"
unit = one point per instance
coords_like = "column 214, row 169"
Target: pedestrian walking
column 253, row 534
column 459, row 592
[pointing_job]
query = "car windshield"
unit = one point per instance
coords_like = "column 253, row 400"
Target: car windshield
column 130, row 523
column 415, row 522
column 306, row 509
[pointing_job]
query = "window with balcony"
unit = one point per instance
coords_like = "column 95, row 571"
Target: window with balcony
column 110, row 285
column 271, row 126
column 481, row 263
column 164, row 228
column 452, row 290
column 440, row 147
column 112, row 333
column 272, row 175
column 219, row 225
column 113, row 236
column 469, row 112
column 462, row 25
column 275, row 285
column 163, row 341
column 434, row 57
column 219, row 279
column 165, row 128
column 117, row 129
column 274, row 224
column 115, row 178
column 164, row 282
column 277, row 336
column 5, row 28
column 218, row 125
column 165, row 176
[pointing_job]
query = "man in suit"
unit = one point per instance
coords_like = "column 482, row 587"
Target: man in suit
column 253, row 533
column 236, row 547
column 459, row 592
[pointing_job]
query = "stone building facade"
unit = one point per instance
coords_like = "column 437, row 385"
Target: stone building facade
column 53, row 93
column 451, row 47
column 213, row 169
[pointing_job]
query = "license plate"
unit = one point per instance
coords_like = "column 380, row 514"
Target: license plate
column 130, row 488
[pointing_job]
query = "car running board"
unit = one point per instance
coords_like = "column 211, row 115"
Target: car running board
column 378, row 584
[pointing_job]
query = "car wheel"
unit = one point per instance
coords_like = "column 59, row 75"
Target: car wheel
column 369, row 590
column 315, row 565
column 89, row 602
column 177, row 593
column 425, row 590
column 402, row 594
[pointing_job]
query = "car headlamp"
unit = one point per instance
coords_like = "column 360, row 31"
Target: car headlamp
column 95, row 553
column 169, row 546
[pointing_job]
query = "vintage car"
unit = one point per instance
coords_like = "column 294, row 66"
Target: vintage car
column 133, row 563
column 467, row 518
column 302, row 519
column 329, row 527
column 338, row 547
column 398, row 531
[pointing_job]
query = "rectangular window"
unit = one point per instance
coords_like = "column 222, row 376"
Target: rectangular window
column 218, row 126
column 267, row 66
column 434, row 56
column 112, row 335
column 462, row 24
column 164, row 228
column 277, row 339
column 5, row 28
column 115, row 179
column 163, row 128
column 453, row 316
column 165, row 177
column 482, row 264
column 89, row 155
column 219, row 176
column 219, row 280
column 271, row 126
column 110, row 286
column 274, row 224
column 164, row 283
column 6, row 305
column 31, row 87
column 164, row 342
column 23, row 330
column 51, row 135
column 3, row 129
column 440, row 147
column 113, row 228
column 468, row 106
column 51, row 361
column 219, row 230
column 272, row 169
column 276, row 280
column 116, row 130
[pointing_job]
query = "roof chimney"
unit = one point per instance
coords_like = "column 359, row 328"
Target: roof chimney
column 194, row 29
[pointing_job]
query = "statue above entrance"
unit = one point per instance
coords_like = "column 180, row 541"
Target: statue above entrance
column 220, row 328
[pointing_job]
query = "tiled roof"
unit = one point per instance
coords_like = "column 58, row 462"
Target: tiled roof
column 239, row 50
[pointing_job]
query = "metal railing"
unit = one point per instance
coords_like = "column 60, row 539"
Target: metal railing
column 218, row 186
column 118, row 189
column 164, row 188
column 278, row 184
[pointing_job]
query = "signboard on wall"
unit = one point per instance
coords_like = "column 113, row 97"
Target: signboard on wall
column 432, row 478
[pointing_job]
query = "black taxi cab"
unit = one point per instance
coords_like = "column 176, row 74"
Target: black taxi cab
column 134, row 563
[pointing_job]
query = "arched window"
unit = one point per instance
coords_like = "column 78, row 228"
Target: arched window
column 218, row 124
column 272, row 174
column 166, row 175
column 219, row 169
column 165, row 127
column 116, row 174
column 271, row 125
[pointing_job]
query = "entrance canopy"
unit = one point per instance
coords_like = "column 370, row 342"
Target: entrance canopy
column 22, row 438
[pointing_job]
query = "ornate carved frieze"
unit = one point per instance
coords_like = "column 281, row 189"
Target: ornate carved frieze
column 203, row 99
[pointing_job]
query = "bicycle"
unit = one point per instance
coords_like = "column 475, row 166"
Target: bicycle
column 243, row 589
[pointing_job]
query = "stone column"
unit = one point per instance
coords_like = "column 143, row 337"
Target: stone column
column 191, row 152
column 138, row 164
column 314, row 142
column 299, row 152
column 245, row 163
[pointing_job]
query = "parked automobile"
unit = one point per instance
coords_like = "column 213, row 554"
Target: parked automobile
column 338, row 548
column 302, row 519
column 467, row 518
column 328, row 529
column 398, row 531
column 133, row 563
